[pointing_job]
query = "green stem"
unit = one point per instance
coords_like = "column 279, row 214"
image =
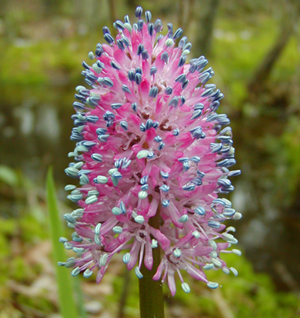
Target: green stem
column 65, row 291
column 151, row 293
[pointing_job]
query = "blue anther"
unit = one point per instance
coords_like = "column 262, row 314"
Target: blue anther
column 145, row 55
column 142, row 127
column 78, row 106
column 184, row 84
column 215, row 94
column 131, row 75
column 123, row 207
column 220, row 96
column 224, row 182
column 200, row 210
column 140, row 49
column 126, row 19
column 197, row 133
column 182, row 60
column 183, row 159
column 215, row 147
column 170, row 29
column 212, row 117
column 158, row 25
column 165, row 203
column 189, row 187
column 134, row 107
column 105, row 30
column 159, row 38
column 85, row 65
column 198, row 106
column 161, row 145
column 234, row 173
column 92, row 118
column 176, row 132
column 107, row 82
column 197, row 181
column 188, row 46
column 125, row 41
column 195, row 159
column 88, row 143
column 164, row 175
column 117, row 175
column 145, row 187
column 116, row 105
column 204, row 77
column 182, row 42
column 223, row 120
column 108, row 115
column 115, row 65
column 138, row 12
column 174, row 102
column 196, row 114
column 126, row 89
column 124, row 125
column 164, row 188
column 149, row 123
column 153, row 92
column 138, row 78
column 214, row 224
column 108, row 38
column 120, row 45
column 228, row 212
column 226, row 163
column 181, row 78
column 186, row 166
column 148, row 16
column 153, row 70
column 144, row 179
column 150, row 155
column 150, row 29
column 207, row 92
column 157, row 139
column 168, row 90
column 140, row 25
column 103, row 138
column 164, row 57
column 101, row 131
column 155, row 124
column 80, row 98
column 119, row 25
column 177, row 34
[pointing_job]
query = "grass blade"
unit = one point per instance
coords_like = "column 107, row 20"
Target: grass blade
column 65, row 291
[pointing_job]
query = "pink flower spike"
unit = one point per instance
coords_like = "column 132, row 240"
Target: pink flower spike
column 149, row 142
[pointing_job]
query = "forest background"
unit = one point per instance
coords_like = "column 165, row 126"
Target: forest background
column 254, row 48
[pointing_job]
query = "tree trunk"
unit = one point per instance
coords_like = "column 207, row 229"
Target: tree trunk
column 205, row 27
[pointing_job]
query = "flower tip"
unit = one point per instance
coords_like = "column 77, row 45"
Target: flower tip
column 138, row 273
column 126, row 258
column 185, row 287
column 212, row 285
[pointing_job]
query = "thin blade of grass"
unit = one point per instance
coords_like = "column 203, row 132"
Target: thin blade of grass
column 65, row 291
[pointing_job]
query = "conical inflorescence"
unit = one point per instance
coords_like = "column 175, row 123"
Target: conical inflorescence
column 148, row 139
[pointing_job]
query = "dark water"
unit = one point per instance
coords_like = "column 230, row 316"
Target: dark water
column 36, row 126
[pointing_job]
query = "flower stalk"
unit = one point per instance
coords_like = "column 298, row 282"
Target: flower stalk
column 151, row 291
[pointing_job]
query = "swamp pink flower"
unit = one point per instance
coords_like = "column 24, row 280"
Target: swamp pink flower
column 149, row 139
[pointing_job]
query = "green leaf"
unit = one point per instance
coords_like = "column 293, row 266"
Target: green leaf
column 65, row 291
column 8, row 176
